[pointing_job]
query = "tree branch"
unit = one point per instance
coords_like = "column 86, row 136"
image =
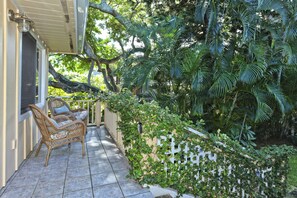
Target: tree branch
column 111, row 78
column 105, row 78
column 104, row 7
column 67, row 85
column 90, row 72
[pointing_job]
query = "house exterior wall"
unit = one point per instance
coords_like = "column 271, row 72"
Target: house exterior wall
column 2, row 90
column 18, row 133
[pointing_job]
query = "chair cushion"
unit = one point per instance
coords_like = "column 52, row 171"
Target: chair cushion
column 81, row 115
column 64, row 123
column 54, row 122
column 62, row 109
column 60, row 124
column 59, row 135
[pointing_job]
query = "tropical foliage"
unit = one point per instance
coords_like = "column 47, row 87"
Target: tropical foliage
column 167, row 154
column 227, row 65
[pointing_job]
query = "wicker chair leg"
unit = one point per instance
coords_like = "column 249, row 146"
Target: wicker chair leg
column 38, row 148
column 86, row 123
column 48, row 156
column 83, row 147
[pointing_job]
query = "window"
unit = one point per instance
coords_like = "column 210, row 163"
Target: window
column 37, row 77
column 29, row 67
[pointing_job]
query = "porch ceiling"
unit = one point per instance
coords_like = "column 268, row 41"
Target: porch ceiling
column 59, row 23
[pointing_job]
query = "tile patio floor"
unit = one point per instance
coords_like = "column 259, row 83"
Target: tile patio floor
column 101, row 173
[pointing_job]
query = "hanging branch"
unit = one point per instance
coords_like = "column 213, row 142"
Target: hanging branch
column 111, row 78
column 90, row 73
column 67, row 85
column 91, row 56
column 105, row 78
column 134, row 30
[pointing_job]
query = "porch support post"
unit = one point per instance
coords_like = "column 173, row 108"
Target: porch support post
column 98, row 113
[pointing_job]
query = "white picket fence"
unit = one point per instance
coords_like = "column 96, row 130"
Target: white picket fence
column 110, row 122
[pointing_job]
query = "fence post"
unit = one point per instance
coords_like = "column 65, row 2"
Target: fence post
column 98, row 113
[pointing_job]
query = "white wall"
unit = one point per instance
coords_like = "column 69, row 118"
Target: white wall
column 111, row 120
column 2, row 90
column 15, row 129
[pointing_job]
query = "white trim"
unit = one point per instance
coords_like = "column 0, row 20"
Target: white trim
column 17, row 89
column 80, row 15
column 28, row 114
column 3, row 85
column 20, row 77
column 76, row 23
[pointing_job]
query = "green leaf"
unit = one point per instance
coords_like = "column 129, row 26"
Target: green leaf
column 224, row 83
column 249, row 22
column 199, row 80
column 250, row 73
column 200, row 10
column 274, row 5
column 279, row 97
column 263, row 111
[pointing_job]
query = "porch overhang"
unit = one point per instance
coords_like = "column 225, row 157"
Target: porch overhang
column 59, row 24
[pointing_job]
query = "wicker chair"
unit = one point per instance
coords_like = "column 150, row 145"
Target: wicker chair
column 57, row 106
column 57, row 134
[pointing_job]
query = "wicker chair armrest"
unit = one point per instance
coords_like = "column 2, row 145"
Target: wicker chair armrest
column 74, row 126
column 70, row 115
column 61, row 118
column 77, row 110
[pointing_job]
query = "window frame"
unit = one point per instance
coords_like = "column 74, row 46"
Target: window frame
column 42, row 84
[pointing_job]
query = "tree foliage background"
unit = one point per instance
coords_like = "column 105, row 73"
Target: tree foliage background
column 229, row 66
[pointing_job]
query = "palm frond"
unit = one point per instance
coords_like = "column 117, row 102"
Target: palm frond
column 216, row 45
column 193, row 58
column 291, row 52
column 250, row 73
column 224, row 83
column 258, row 51
column 263, row 111
column 291, row 31
column 249, row 22
column 200, row 10
column 198, row 106
column 198, row 82
column 175, row 70
column 279, row 97
column 277, row 6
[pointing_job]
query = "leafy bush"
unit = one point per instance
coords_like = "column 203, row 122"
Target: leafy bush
column 227, row 170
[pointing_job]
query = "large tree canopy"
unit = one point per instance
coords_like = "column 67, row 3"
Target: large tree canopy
column 231, row 63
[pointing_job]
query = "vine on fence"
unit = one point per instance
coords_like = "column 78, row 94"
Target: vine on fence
column 228, row 169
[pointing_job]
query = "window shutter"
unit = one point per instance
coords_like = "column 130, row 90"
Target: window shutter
column 29, row 64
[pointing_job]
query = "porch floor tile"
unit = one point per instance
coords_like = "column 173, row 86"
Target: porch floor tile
column 101, row 173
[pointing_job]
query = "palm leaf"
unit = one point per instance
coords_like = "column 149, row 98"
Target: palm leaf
column 291, row 51
column 248, row 20
column 279, row 97
column 276, row 5
column 263, row 111
column 291, row 31
column 224, row 83
column 175, row 70
column 198, row 82
column 198, row 106
column 250, row 73
column 200, row 10
column 193, row 58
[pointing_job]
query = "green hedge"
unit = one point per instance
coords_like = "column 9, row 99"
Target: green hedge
column 236, row 170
